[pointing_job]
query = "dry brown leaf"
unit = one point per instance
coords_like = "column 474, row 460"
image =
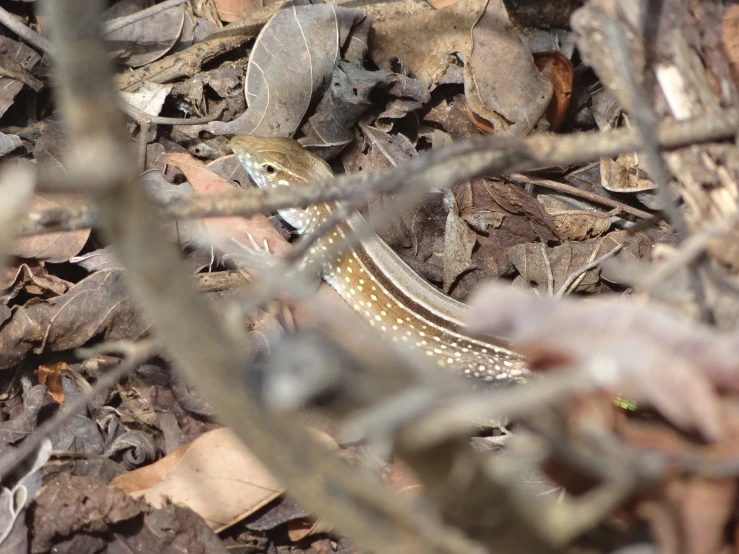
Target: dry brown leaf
column 33, row 277
column 51, row 376
column 556, row 67
column 51, row 247
column 501, row 82
column 26, row 57
column 98, row 306
column 231, row 10
column 459, row 240
column 147, row 40
column 292, row 61
column 624, row 175
column 204, row 181
column 652, row 356
column 438, row 4
column 423, row 38
column 580, row 224
column 215, row 475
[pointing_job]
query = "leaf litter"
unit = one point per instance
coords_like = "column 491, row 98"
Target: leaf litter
column 372, row 86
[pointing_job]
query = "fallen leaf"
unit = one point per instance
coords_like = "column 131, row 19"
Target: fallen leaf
column 51, row 377
column 148, row 39
column 424, row 38
column 8, row 143
column 26, row 57
column 32, row 277
column 331, row 127
column 25, row 423
column 51, row 247
column 580, row 224
column 501, row 82
column 231, row 10
column 149, row 98
column 459, row 240
column 556, row 67
column 98, row 306
column 624, row 175
column 215, row 475
column 292, row 61
column 730, row 37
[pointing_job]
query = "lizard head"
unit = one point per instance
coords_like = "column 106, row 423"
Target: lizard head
column 270, row 162
column 280, row 162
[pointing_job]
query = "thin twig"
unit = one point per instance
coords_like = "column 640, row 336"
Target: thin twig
column 574, row 191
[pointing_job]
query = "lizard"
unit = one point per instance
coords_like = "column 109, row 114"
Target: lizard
column 372, row 278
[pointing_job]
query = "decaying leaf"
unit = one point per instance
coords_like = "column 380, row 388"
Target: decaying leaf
column 32, row 277
column 581, row 224
column 547, row 269
column 424, row 38
column 99, row 305
column 501, row 82
column 51, row 247
column 51, row 378
column 231, row 10
column 71, row 504
column 215, row 475
column 519, row 215
column 8, row 143
column 348, row 98
column 291, row 63
column 149, row 98
column 149, row 39
column 624, row 175
column 26, row 57
column 459, row 240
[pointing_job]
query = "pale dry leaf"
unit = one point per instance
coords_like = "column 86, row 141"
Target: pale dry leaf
column 51, row 247
column 149, row 98
column 8, row 143
column 624, row 175
column 459, row 240
column 549, row 267
column 501, row 81
column 730, row 37
column 215, row 475
column 580, row 224
column 424, row 38
column 147, row 40
column 291, row 63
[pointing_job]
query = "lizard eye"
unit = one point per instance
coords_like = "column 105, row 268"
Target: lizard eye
column 269, row 169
